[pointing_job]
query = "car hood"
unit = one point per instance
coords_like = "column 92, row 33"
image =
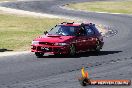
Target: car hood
column 53, row 38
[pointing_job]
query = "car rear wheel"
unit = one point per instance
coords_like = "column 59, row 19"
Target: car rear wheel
column 39, row 54
column 98, row 47
column 72, row 50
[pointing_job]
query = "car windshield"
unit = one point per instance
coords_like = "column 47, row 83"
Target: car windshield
column 63, row 30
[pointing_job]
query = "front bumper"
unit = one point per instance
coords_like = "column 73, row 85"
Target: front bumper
column 50, row 49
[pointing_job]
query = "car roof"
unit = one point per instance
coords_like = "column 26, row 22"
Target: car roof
column 74, row 24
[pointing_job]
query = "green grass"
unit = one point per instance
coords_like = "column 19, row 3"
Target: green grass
column 105, row 6
column 16, row 33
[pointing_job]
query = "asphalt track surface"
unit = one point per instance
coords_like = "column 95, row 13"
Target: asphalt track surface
column 113, row 62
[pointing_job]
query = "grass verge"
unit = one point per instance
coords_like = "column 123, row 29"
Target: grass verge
column 105, row 6
column 16, row 32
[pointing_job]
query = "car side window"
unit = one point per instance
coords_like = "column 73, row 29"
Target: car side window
column 89, row 31
column 81, row 31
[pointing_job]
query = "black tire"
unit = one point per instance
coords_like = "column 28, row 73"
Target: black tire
column 72, row 50
column 39, row 55
column 98, row 47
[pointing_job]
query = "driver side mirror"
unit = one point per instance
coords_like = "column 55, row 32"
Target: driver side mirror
column 45, row 32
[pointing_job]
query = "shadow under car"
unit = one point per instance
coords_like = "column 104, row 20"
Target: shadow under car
column 85, row 54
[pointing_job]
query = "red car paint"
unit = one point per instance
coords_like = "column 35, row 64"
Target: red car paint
column 70, row 35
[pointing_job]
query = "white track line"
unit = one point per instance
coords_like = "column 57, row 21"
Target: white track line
column 34, row 14
column 2, row 54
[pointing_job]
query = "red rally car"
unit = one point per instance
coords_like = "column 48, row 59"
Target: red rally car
column 68, row 39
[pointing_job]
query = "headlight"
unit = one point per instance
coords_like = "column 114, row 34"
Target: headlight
column 60, row 44
column 35, row 42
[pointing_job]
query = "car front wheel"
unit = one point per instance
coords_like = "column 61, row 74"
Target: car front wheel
column 72, row 50
column 39, row 54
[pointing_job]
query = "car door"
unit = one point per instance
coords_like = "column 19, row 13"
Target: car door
column 90, row 37
column 81, row 41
